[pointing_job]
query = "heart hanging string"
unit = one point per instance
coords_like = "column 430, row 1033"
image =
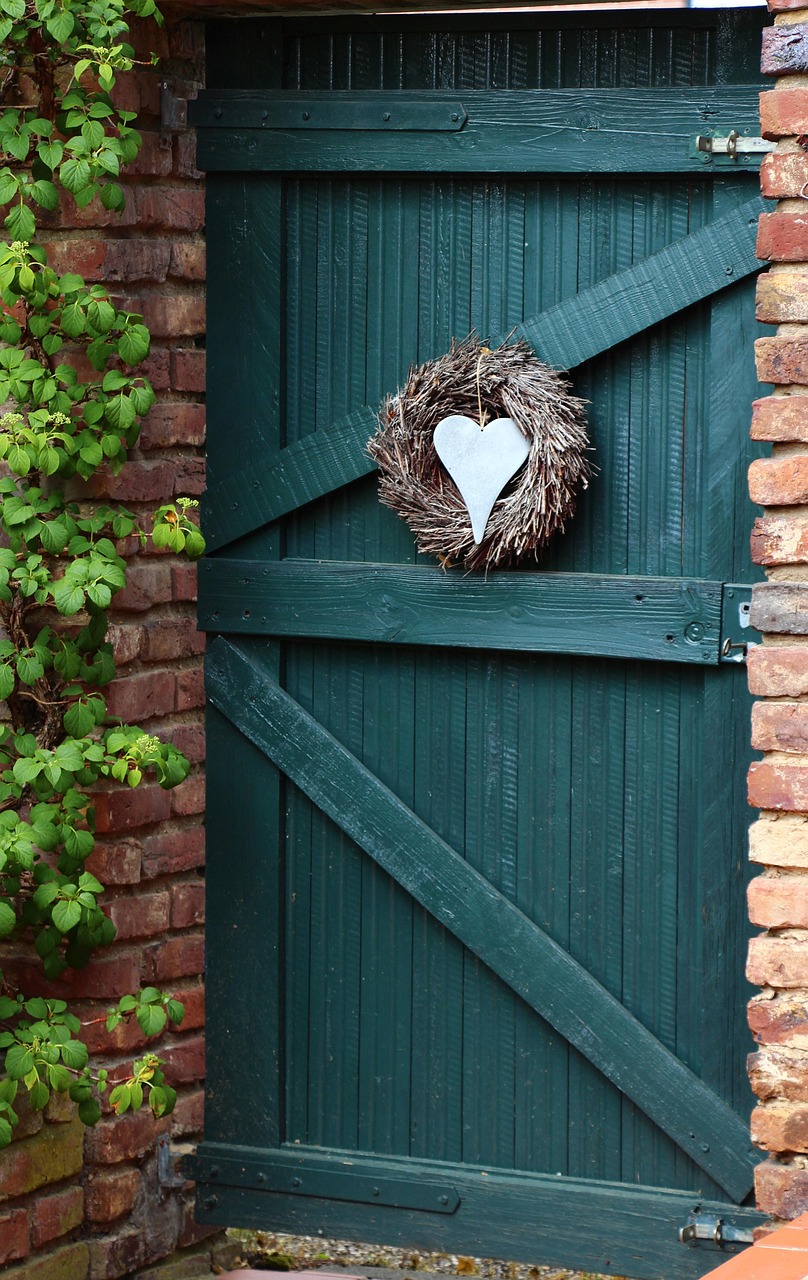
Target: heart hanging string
column 506, row 382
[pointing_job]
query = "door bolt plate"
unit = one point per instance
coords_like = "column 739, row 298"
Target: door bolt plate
column 707, row 1226
column 736, row 632
column 733, row 145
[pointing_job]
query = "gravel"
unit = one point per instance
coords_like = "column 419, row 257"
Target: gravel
column 278, row 1252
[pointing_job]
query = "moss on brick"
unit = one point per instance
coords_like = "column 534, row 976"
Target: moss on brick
column 71, row 1262
column 53, row 1154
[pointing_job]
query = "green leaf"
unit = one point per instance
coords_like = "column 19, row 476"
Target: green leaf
column 6, row 680
column 38, row 1096
column 53, row 535
column 20, row 222
column 89, row 1111
column 151, row 1019
column 27, row 770
column 74, row 1055
column 8, row 919
column 66, row 915
column 51, row 153
column 75, row 174
column 19, row 1061
column 113, row 198
column 79, row 720
column 60, row 26
column 74, row 321
column 45, row 194
column 133, row 344
column 67, row 596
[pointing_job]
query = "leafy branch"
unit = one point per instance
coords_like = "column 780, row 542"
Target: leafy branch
column 60, row 566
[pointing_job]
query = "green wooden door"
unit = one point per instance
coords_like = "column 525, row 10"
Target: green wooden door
column 476, row 845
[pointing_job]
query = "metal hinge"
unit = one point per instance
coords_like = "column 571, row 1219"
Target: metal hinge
column 171, row 1173
column 707, row 1226
column 733, row 145
column 736, row 636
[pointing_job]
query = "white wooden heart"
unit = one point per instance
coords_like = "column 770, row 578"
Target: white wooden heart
column 480, row 462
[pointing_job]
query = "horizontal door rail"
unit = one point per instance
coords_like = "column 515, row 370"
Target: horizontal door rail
column 633, row 1227
column 506, row 130
column 660, row 619
column 517, row 950
column 578, row 329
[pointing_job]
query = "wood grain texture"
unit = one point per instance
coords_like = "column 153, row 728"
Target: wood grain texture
column 621, row 617
column 509, row 131
column 575, row 330
column 486, row 922
column 564, row 1221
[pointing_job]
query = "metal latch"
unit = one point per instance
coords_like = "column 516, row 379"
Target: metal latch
column 708, row 1226
column 736, row 636
column 733, row 145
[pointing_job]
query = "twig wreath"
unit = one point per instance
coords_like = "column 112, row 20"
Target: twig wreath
column 463, row 394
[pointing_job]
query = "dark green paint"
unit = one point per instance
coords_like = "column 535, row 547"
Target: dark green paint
column 581, row 327
column 507, row 131
column 659, row 619
column 485, row 921
column 599, row 797
column 608, row 1228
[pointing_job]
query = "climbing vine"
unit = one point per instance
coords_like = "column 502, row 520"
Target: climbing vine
column 71, row 402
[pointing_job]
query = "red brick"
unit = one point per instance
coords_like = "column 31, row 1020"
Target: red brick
column 172, row 424
column 170, row 852
column 783, row 176
column 783, row 113
column 779, row 902
column 780, row 418
column 193, row 999
column 191, row 1232
column 126, row 1038
column 138, row 482
column 779, row 1018
column 785, row 50
column 185, row 156
column 118, row 1138
column 189, row 1113
column 778, row 786
column 170, row 638
column 126, row 642
column 14, row 1241
column 777, row 671
column 782, row 1127
column 111, row 1194
column 778, row 482
column 110, row 974
column 155, row 158
column 783, row 361
column 782, row 296
column 185, row 1060
column 94, row 216
column 86, row 257
column 188, row 370
column 780, row 608
column 187, row 905
column 779, row 540
column 778, row 962
column 783, row 237
column 783, row 6
column 125, row 809
column 184, row 581
column 179, row 957
column 53, row 1154
column 781, row 1189
column 54, row 1215
column 780, row 726
column 189, row 797
column 188, row 259
column 190, row 738
column 143, row 916
column 170, row 208
column 116, row 862
column 140, row 697
column 178, row 315
column 189, row 477
column 156, row 367
column 139, row 92
column 147, row 584
column 779, row 1073
column 190, row 689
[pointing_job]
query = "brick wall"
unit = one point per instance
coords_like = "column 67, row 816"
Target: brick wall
column 85, row 1205
column 778, row 669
